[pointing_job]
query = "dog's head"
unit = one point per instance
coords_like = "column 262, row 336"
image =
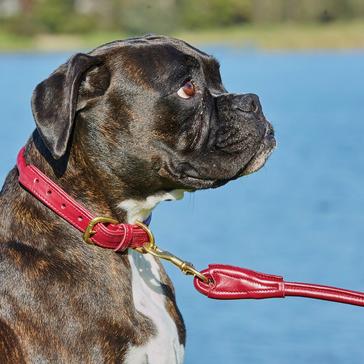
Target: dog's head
column 153, row 112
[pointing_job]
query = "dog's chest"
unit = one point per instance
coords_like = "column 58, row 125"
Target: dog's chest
column 148, row 294
column 149, row 299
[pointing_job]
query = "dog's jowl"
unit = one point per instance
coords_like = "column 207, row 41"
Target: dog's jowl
column 119, row 129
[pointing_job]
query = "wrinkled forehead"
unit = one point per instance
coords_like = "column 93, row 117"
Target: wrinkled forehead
column 155, row 61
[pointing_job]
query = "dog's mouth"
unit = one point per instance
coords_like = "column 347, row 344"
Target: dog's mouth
column 214, row 170
column 188, row 181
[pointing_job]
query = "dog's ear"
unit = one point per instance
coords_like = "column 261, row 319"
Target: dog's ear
column 54, row 102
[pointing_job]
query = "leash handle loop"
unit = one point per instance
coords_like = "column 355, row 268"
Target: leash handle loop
column 227, row 282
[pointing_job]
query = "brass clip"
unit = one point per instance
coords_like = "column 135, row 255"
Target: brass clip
column 152, row 248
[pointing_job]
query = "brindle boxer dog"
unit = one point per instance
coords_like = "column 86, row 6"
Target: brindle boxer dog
column 128, row 125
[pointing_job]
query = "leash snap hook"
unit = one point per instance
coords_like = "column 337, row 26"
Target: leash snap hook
column 152, row 248
column 186, row 267
column 189, row 269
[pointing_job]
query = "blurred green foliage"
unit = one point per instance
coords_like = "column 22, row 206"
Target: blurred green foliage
column 58, row 16
column 29, row 17
column 214, row 13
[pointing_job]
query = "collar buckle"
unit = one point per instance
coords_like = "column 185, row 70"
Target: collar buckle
column 89, row 232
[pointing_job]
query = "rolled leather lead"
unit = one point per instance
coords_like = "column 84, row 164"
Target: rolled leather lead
column 228, row 282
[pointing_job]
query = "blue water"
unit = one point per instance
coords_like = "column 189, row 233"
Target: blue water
column 301, row 216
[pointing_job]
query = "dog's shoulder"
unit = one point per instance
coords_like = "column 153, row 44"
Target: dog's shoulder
column 11, row 292
column 17, row 260
column 10, row 348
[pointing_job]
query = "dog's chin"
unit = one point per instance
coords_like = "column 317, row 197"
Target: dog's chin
column 256, row 163
column 259, row 159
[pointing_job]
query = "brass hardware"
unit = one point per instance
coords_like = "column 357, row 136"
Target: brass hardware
column 151, row 242
column 89, row 232
column 152, row 248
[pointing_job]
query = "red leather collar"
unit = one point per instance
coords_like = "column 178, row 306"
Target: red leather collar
column 106, row 235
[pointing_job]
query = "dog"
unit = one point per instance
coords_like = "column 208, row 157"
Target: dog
column 120, row 129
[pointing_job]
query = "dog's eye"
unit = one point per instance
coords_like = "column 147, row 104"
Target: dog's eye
column 187, row 90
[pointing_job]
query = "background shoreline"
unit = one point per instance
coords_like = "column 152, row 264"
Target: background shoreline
column 286, row 36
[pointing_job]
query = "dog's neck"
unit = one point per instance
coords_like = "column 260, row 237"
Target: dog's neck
column 77, row 177
column 139, row 210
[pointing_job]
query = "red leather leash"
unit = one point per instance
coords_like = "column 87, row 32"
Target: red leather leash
column 104, row 232
column 218, row 281
column 226, row 282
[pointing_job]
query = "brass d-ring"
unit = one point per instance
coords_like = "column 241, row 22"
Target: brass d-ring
column 150, row 245
column 89, row 232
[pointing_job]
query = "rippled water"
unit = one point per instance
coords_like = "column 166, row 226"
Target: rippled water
column 302, row 216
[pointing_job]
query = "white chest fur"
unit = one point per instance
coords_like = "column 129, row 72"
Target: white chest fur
column 148, row 296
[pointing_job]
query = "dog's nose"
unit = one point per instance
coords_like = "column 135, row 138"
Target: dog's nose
column 248, row 103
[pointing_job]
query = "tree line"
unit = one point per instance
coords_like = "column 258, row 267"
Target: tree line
column 140, row 16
